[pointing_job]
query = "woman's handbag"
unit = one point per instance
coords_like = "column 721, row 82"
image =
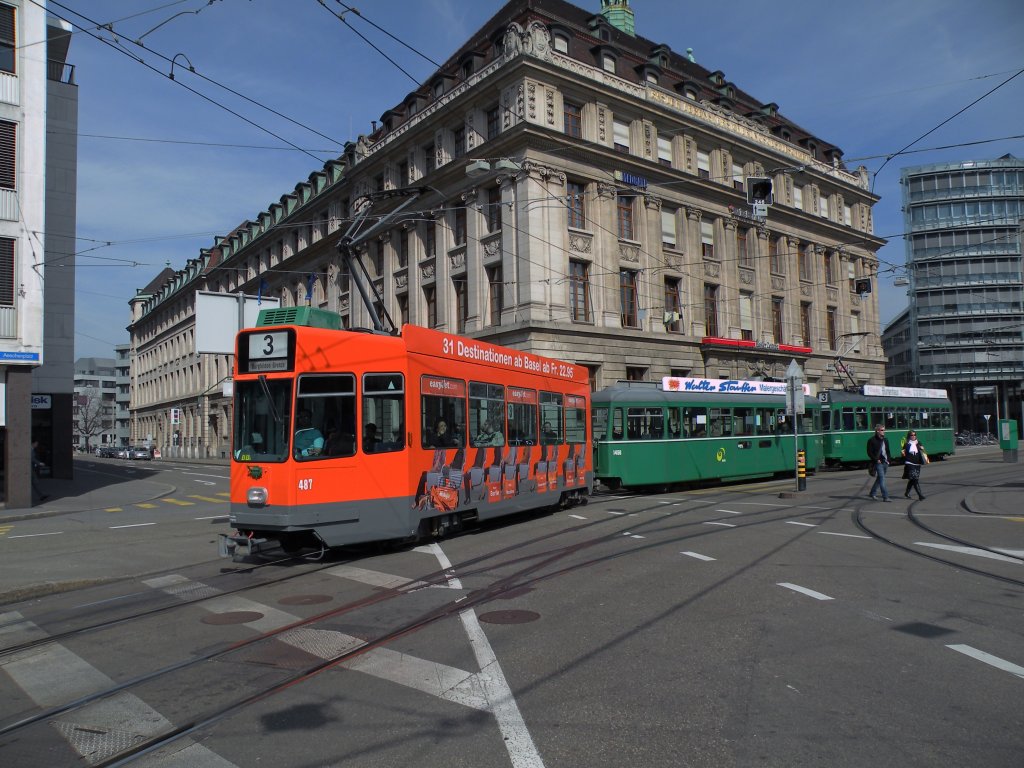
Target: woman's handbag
column 924, row 458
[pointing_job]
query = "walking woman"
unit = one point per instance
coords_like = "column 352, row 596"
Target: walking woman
column 913, row 459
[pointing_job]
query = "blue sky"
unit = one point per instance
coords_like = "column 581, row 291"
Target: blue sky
column 163, row 170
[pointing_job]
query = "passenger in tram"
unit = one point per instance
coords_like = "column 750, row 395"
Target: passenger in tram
column 370, row 438
column 489, row 434
column 548, row 434
column 441, row 436
column 308, row 439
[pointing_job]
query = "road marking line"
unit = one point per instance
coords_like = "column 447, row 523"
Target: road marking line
column 518, row 742
column 805, row 591
column 969, row 551
column 634, row 535
column 848, row 535
column 697, row 555
column 114, row 509
column 212, row 517
column 1010, row 552
column 146, row 505
column 729, row 511
column 224, row 493
column 988, row 658
column 614, row 513
column 375, row 578
column 4, row 529
column 208, row 498
column 31, row 535
column 133, row 525
column 578, row 517
column 724, row 525
column 179, row 502
column 181, row 587
column 806, row 525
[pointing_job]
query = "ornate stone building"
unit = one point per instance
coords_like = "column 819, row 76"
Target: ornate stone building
column 584, row 196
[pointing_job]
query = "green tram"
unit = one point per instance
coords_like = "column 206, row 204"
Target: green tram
column 848, row 419
column 687, row 430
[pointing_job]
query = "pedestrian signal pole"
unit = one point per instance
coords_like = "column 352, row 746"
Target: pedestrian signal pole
column 796, row 408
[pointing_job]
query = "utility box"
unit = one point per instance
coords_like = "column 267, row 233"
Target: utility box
column 1008, row 439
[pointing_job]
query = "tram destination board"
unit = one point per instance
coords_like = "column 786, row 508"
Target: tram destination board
column 267, row 351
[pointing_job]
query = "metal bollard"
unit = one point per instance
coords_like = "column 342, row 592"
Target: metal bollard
column 801, row 470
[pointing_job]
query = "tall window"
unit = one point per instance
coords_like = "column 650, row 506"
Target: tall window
column 823, row 205
column 495, row 294
column 403, row 308
column 805, row 322
column 620, row 132
column 673, row 304
column 459, row 140
column 710, row 310
column 493, row 216
column 579, row 291
column 737, row 176
column 747, row 316
column 743, row 247
column 459, row 231
column 403, row 176
column 430, row 240
column 847, row 216
column 430, row 298
column 429, row 158
column 627, row 298
column 668, row 227
column 830, row 319
column 774, row 257
column 798, row 197
column 575, row 205
column 665, row 151
column 572, row 114
column 777, row 319
column 7, row 39
column 403, row 248
column 804, row 256
column 624, row 216
column 707, row 239
column 8, row 154
column 493, row 122
column 828, row 263
column 703, row 164
column 461, row 287
column 6, row 272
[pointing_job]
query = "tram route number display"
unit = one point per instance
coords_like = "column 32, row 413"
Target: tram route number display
column 268, row 351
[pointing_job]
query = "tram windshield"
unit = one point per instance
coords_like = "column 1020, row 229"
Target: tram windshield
column 262, row 416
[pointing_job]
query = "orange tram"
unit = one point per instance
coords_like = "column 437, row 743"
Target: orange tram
column 343, row 437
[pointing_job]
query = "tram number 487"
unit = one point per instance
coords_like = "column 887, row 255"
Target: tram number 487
column 305, row 483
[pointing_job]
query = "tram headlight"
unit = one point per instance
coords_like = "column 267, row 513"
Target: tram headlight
column 256, row 497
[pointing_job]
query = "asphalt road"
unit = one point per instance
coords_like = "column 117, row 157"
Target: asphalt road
column 740, row 626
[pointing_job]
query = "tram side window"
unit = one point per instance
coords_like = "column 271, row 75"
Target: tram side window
column 262, row 419
column 325, row 417
column 383, row 412
column 945, row 419
column 902, row 419
column 807, row 422
column 551, row 418
column 522, row 417
column 860, row 418
column 889, row 419
column 783, row 422
column 617, row 431
column 918, row 418
column 644, row 424
column 743, row 421
column 877, row 417
column 443, row 416
column 826, row 420
column 847, row 419
column 765, row 421
column 487, row 414
column 675, row 422
column 695, row 422
column 599, row 423
column 575, row 420
column 720, row 422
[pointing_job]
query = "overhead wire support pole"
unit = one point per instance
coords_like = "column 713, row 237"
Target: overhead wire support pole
column 351, row 241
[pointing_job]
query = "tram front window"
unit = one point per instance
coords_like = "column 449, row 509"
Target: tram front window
column 262, row 416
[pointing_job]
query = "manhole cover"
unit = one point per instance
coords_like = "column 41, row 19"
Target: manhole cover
column 304, row 599
column 509, row 617
column 232, row 617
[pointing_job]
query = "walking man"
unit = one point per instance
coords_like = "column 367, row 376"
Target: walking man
column 879, row 454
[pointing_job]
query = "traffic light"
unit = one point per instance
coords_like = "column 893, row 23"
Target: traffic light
column 862, row 285
column 759, row 190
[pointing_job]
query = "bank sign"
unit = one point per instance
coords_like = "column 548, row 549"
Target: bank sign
column 730, row 386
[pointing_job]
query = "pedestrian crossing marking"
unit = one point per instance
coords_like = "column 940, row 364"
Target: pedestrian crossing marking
column 224, row 493
column 209, row 498
column 5, row 529
column 179, row 502
column 113, row 509
column 146, row 505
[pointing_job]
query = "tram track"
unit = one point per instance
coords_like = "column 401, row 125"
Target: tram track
column 531, row 572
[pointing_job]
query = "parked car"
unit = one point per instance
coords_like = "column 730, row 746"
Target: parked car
column 122, row 453
column 106, row 452
column 139, row 452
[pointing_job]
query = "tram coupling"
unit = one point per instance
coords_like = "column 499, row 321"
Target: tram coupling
column 231, row 545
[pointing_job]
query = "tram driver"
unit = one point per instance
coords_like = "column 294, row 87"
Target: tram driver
column 308, row 439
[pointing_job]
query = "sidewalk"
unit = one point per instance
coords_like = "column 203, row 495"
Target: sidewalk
column 93, row 487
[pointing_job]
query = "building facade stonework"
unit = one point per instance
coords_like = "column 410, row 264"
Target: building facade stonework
column 582, row 196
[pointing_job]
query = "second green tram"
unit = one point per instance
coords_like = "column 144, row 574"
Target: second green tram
column 687, row 430
column 849, row 418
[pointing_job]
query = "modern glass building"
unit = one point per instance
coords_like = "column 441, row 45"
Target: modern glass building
column 966, row 312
